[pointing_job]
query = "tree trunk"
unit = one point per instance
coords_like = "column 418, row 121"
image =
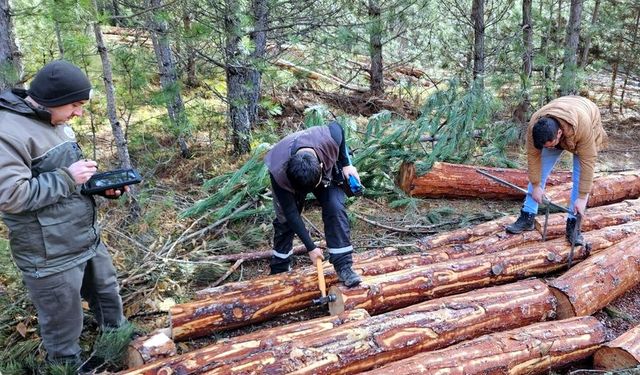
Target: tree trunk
column 584, row 60
column 150, row 348
column 628, row 64
column 191, row 68
column 237, row 77
column 523, row 109
column 590, row 286
column 596, row 218
column 260, row 13
column 10, row 63
column 568, row 81
column 118, row 134
column 534, row 349
column 621, row 353
column 375, row 49
column 465, row 235
column 236, row 348
column 477, row 15
column 361, row 345
column 607, row 189
column 446, row 180
column 614, row 76
column 378, row 294
column 169, row 77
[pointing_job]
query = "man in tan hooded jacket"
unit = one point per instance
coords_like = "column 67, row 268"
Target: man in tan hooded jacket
column 569, row 123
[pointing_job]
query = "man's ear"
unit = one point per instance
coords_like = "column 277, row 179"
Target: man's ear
column 559, row 133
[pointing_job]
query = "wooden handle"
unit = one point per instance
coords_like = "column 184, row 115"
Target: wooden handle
column 321, row 282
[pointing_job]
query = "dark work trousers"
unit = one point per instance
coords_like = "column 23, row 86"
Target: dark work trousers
column 58, row 299
column 336, row 229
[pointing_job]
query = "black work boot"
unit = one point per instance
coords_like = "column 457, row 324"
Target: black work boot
column 524, row 223
column 347, row 276
column 573, row 234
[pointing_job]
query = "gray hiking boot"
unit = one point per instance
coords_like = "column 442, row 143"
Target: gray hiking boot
column 348, row 277
column 524, row 223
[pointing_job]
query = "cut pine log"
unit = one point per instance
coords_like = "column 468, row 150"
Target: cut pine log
column 593, row 284
column 446, row 180
column 361, row 345
column 378, row 294
column 534, row 349
column 224, row 353
column 465, row 235
column 149, row 348
column 607, row 189
column 359, row 258
column 623, row 352
column 596, row 218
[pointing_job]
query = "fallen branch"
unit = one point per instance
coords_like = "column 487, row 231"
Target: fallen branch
column 229, row 272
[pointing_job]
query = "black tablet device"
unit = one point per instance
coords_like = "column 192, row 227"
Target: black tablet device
column 100, row 182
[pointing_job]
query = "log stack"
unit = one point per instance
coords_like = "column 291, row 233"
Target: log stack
column 450, row 272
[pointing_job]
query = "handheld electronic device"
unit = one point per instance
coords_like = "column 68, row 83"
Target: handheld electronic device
column 355, row 187
column 116, row 179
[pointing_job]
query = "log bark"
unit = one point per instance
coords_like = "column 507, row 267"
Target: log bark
column 596, row 218
column 592, row 285
column 231, row 306
column 150, row 348
column 623, row 352
column 606, row 189
column 358, row 258
column 534, row 349
column 378, row 294
column 445, row 180
column 359, row 346
column 224, row 353
column 465, row 235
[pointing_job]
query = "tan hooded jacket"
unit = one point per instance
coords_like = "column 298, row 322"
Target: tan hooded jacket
column 582, row 135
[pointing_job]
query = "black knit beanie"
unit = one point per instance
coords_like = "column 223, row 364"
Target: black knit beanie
column 59, row 83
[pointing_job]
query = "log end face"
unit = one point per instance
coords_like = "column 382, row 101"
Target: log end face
column 336, row 307
column 564, row 309
column 607, row 358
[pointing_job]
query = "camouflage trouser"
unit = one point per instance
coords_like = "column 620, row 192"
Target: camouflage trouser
column 58, row 300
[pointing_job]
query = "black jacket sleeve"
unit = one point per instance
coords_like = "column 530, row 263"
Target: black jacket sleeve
column 287, row 202
column 337, row 133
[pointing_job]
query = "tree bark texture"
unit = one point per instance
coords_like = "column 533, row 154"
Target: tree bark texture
column 238, row 75
column 225, row 353
column 169, row 77
column 621, row 353
column 607, row 189
column 596, row 218
column 521, row 113
column 10, row 62
column 584, row 60
column 150, row 348
column 378, row 294
column 361, row 345
column 591, row 285
column 568, row 81
column 465, row 235
column 445, row 180
column 534, row 349
column 260, row 13
column 107, row 75
column 249, row 302
column 477, row 16
column 376, row 84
